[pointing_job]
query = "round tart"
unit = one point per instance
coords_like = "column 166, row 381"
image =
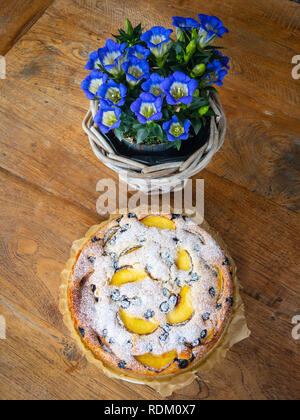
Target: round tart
column 151, row 295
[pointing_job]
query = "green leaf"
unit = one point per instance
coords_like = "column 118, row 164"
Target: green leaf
column 197, row 125
column 142, row 134
column 198, row 103
column 157, row 131
column 119, row 133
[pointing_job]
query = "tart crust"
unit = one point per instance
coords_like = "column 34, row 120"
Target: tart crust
column 81, row 298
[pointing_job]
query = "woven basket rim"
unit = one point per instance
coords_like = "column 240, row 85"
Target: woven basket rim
column 168, row 176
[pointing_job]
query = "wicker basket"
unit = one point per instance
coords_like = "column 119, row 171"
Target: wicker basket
column 157, row 178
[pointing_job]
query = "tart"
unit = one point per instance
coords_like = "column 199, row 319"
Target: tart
column 150, row 295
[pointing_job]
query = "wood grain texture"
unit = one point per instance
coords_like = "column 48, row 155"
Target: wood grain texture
column 16, row 18
column 48, row 177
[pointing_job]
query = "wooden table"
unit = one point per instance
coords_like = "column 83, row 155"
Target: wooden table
column 48, row 190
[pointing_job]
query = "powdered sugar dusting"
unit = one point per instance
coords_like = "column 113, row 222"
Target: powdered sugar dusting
column 157, row 256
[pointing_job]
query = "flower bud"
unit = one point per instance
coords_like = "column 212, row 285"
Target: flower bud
column 198, row 70
column 128, row 27
column 203, row 110
column 191, row 48
column 196, row 93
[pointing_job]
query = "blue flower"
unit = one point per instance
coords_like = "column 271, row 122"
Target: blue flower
column 153, row 85
column 179, row 88
column 157, row 39
column 147, row 108
column 185, row 23
column 211, row 27
column 216, row 72
column 94, row 62
column 223, row 60
column 113, row 93
column 91, row 84
column 108, row 117
column 175, row 130
column 112, row 57
column 139, row 52
column 135, row 70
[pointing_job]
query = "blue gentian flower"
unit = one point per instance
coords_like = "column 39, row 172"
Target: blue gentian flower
column 139, row 52
column 112, row 56
column 113, row 93
column 108, row 117
column 185, row 23
column 91, row 84
column 147, row 108
column 135, row 70
column 216, row 72
column 157, row 39
column 153, row 85
column 223, row 59
column 179, row 88
column 175, row 130
column 94, row 62
column 211, row 27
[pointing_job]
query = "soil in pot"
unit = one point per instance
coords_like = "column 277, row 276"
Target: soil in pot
column 158, row 154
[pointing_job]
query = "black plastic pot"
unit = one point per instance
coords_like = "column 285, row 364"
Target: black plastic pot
column 157, row 154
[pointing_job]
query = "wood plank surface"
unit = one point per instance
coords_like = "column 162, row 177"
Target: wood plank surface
column 16, row 18
column 48, row 177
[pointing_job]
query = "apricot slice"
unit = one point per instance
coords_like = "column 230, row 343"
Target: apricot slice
column 137, row 325
column 184, row 311
column 110, row 234
column 157, row 362
column 130, row 250
column 183, row 261
column 159, row 222
column 127, row 275
column 210, row 337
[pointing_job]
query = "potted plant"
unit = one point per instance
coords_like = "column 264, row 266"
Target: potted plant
column 153, row 90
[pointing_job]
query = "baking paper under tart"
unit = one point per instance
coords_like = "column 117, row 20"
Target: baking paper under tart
column 235, row 331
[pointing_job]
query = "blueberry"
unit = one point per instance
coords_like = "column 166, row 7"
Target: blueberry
column 95, row 239
column 129, row 344
column 149, row 314
column 176, row 216
column 115, row 295
column 206, row 316
column 164, row 307
column 164, row 337
column 122, row 364
column 197, row 248
column 92, row 259
column 82, row 332
column 93, row 287
column 149, row 347
column 172, row 300
column 207, row 267
column 194, row 277
column 165, row 291
column 104, row 332
column 119, row 219
column 212, row 292
column 181, row 340
column 125, row 303
column 183, row 363
column 196, row 343
column 186, row 219
column 112, row 241
column 215, row 273
column 96, row 299
column 132, row 216
column 167, row 259
column 142, row 240
column 230, row 301
column 167, row 328
column 219, row 306
column 125, row 228
column 148, row 268
column 226, row 261
column 111, row 340
column 176, row 240
column 203, row 334
column 177, row 282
